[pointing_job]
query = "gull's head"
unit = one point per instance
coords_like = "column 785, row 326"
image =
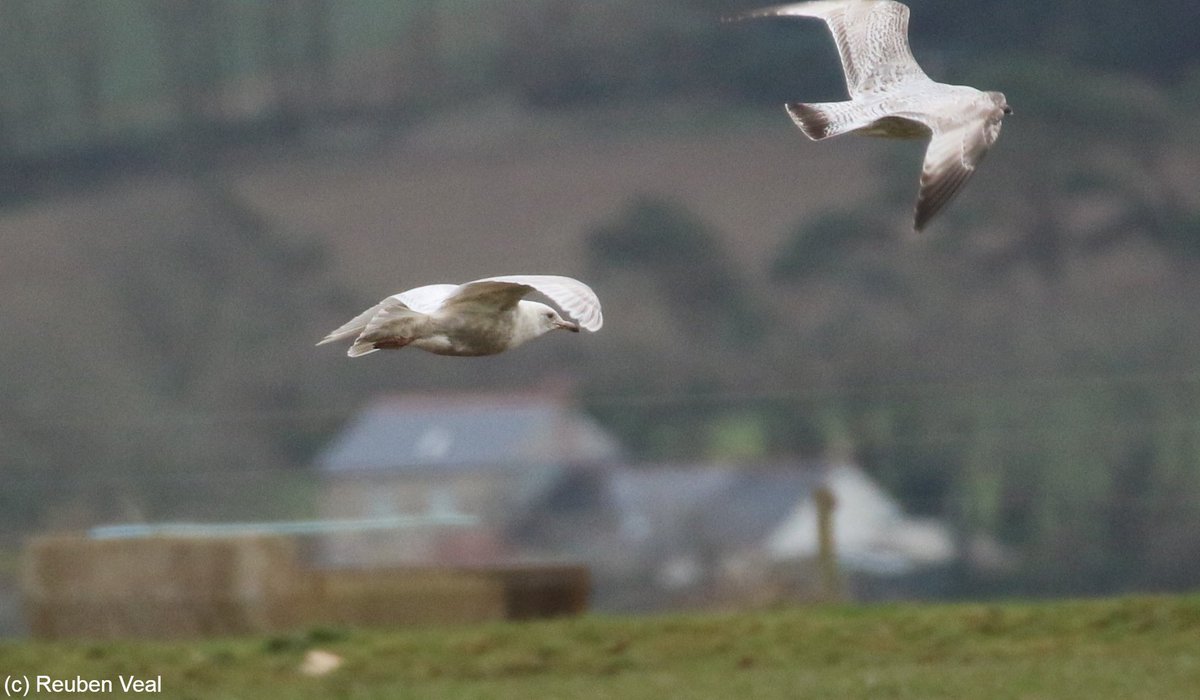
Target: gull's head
column 546, row 319
column 1000, row 102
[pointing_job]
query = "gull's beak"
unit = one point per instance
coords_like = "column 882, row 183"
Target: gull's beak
column 567, row 325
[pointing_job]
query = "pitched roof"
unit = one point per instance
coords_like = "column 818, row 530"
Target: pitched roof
column 466, row 431
column 654, row 504
column 757, row 502
column 678, row 507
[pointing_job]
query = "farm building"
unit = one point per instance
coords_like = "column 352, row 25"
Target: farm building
column 544, row 482
column 661, row 536
column 481, row 455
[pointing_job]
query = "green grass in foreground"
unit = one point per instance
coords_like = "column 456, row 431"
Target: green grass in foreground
column 1145, row 647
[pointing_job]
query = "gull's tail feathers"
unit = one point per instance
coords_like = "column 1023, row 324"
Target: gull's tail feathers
column 352, row 327
column 821, row 120
column 388, row 324
column 361, row 347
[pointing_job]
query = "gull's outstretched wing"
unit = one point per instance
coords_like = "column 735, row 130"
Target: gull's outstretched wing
column 500, row 293
column 950, row 160
column 871, row 38
column 427, row 299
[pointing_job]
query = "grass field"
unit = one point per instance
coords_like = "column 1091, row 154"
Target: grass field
column 1145, row 647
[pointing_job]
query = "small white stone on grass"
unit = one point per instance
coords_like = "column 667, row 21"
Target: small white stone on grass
column 318, row 662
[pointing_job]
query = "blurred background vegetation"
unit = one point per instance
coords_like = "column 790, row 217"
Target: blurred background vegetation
column 179, row 185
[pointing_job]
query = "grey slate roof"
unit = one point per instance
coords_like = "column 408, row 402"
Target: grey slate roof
column 655, row 504
column 677, row 508
column 466, row 431
column 753, row 505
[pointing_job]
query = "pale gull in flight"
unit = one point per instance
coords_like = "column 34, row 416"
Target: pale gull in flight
column 891, row 96
column 483, row 317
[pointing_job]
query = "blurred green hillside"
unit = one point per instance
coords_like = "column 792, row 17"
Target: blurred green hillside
column 84, row 77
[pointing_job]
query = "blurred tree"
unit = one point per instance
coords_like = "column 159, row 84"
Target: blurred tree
column 820, row 243
column 25, row 99
column 199, row 285
column 297, row 51
column 214, row 298
column 685, row 259
column 191, row 39
column 89, row 65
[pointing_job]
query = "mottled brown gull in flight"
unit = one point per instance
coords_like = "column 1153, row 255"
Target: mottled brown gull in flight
column 891, row 96
column 483, row 317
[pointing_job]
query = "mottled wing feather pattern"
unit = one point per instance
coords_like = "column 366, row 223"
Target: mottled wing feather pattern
column 950, row 160
column 943, row 174
column 820, row 120
column 871, row 38
column 884, row 57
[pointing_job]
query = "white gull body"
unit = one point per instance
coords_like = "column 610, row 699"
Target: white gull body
column 891, row 96
column 483, row 317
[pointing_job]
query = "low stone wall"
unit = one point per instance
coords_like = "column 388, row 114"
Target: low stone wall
column 399, row 597
column 76, row 587
column 159, row 587
column 544, row 590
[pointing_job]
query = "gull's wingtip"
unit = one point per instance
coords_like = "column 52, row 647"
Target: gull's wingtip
column 339, row 334
column 920, row 220
column 750, row 14
column 814, row 8
column 739, row 16
column 769, row 11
